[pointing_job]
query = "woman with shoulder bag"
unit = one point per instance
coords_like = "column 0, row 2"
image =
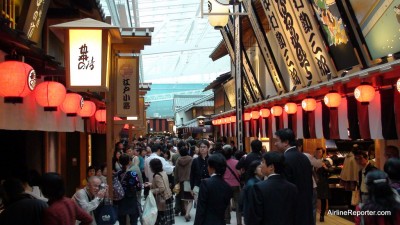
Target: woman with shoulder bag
column 162, row 192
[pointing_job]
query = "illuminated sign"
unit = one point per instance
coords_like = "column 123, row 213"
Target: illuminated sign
column 87, row 64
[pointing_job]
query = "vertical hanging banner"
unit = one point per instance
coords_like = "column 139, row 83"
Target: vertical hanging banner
column 265, row 48
column 334, row 30
column 32, row 18
column 249, row 75
column 297, row 79
column 127, row 83
column 314, row 41
column 289, row 36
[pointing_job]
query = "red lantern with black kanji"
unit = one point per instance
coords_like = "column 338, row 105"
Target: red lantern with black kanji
column 17, row 80
column 72, row 104
column 276, row 110
column 101, row 116
column 309, row 104
column 88, row 109
column 290, row 108
column 50, row 94
column 232, row 119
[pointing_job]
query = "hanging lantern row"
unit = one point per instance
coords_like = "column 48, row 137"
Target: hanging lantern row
column 363, row 93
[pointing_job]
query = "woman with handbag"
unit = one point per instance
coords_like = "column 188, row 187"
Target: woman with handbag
column 182, row 176
column 162, row 193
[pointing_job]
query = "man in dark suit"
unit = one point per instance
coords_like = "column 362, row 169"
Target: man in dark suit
column 298, row 171
column 214, row 194
column 361, row 158
column 273, row 201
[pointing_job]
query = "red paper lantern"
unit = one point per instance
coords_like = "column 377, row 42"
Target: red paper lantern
column 264, row 113
column 247, row 116
column 226, row 120
column 88, row 110
column 50, row 94
column 309, row 104
column 232, row 119
column 101, row 116
column 214, row 122
column 17, row 80
column 276, row 110
column 255, row 115
column 364, row 93
column 220, row 121
column 332, row 99
column 398, row 85
column 72, row 104
column 290, row 108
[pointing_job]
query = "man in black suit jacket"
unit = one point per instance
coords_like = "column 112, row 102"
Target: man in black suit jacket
column 214, row 194
column 273, row 201
column 361, row 158
column 298, row 171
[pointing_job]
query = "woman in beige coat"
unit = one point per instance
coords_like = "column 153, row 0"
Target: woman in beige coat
column 162, row 193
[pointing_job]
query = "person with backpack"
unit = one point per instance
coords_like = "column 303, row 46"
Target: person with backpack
column 130, row 183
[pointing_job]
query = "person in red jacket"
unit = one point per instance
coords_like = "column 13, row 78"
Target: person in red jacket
column 62, row 210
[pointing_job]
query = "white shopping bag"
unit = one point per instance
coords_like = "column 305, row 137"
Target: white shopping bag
column 150, row 210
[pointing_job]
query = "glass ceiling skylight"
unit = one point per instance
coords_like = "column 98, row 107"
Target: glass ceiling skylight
column 181, row 41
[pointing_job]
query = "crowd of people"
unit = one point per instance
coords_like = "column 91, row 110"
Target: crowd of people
column 272, row 188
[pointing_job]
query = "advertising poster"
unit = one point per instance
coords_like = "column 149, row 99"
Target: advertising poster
column 379, row 21
column 334, row 31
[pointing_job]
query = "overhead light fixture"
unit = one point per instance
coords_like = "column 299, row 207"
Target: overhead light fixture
column 217, row 21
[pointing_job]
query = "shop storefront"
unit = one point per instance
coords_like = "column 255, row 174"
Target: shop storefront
column 326, row 74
